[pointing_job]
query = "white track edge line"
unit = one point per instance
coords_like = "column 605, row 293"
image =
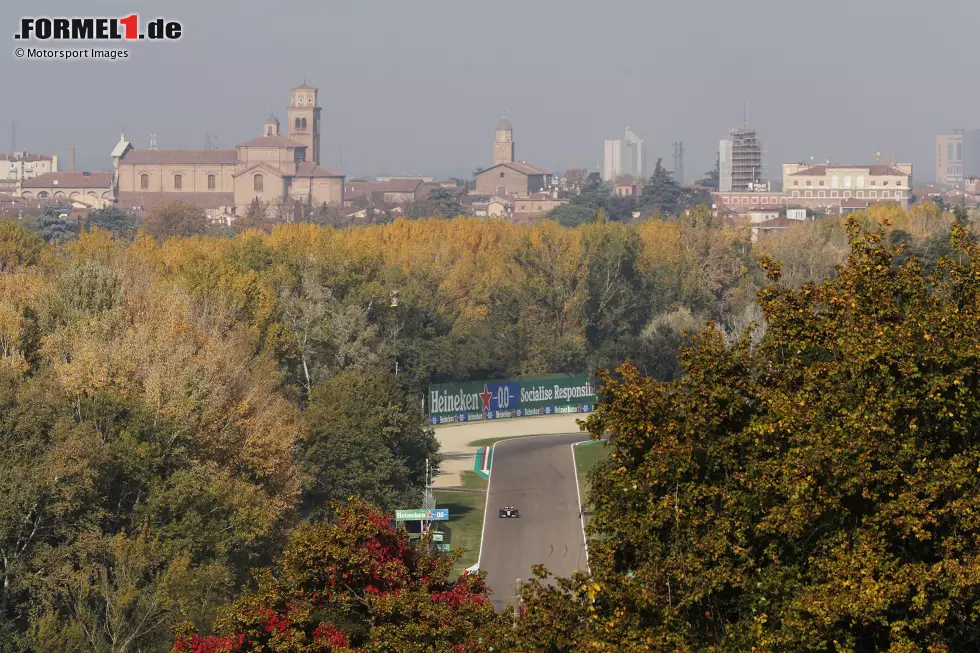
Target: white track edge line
column 581, row 513
column 486, row 505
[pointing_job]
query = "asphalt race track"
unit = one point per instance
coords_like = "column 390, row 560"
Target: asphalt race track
column 536, row 475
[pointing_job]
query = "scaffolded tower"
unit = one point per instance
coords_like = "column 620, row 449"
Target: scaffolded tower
column 746, row 159
column 741, row 160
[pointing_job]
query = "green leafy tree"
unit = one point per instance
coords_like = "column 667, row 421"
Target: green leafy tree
column 55, row 229
column 356, row 585
column 613, row 286
column 571, row 215
column 661, row 192
column 712, row 177
column 593, row 194
column 445, row 202
column 813, row 493
column 113, row 219
column 367, row 438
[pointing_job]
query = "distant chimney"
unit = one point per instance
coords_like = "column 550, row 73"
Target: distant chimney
column 71, row 160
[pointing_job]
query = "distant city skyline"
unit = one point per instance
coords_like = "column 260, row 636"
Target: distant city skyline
column 394, row 101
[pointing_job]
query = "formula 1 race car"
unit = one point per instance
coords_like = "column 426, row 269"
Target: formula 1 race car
column 509, row 511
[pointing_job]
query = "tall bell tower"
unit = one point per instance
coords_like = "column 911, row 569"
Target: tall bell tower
column 503, row 143
column 304, row 120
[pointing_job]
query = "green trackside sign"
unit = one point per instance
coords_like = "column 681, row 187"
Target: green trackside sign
column 436, row 514
column 551, row 394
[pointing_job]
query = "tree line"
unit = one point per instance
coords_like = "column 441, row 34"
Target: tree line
column 183, row 411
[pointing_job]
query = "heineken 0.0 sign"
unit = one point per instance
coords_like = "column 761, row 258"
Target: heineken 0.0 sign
column 439, row 514
column 521, row 397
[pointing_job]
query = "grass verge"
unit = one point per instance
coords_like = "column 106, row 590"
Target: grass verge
column 465, row 520
column 470, row 480
column 586, row 457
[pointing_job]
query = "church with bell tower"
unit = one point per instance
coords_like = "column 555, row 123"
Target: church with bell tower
column 507, row 177
column 271, row 168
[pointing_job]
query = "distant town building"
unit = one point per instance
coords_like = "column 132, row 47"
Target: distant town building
column 971, row 153
column 740, row 161
column 536, row 205
column 967, row 195
column 949, row 158
column 628, row 188
column 743, row 202
column 506, row 176
column 271, row 168
column 395, row 190
column 624, row 157
column 957, row 156
column 18, row 166
column 825, row 185
column 93, row 189
column 828, row 188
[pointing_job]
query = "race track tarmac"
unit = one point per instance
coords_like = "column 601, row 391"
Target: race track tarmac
column 537, row 476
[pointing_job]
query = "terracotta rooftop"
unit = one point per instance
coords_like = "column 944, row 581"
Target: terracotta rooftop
column 398, row 185
column 874, row 171
column 521, row 167
column 526, row 168
column 70, row 180
column 310, row 169
column 145, row 201
column 141, row 157
column 271, row 141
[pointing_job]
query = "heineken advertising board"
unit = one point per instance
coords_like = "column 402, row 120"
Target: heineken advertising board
column 473, row 401
column 439, row 514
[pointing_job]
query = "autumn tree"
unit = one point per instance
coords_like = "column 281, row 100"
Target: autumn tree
column 176, row 219
column 256, row 216
column 815, row 492
column 18, row 246
column 145, row 456
column 357, row 584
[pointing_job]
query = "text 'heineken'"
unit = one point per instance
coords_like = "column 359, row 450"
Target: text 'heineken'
column 539, row 395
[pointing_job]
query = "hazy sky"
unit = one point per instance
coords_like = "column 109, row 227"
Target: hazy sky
column 417, row 86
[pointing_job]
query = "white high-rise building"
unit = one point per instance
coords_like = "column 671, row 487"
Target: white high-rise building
column 625, row 157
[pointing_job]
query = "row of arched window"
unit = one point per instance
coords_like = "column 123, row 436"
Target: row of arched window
column 257, row 182
column 301, row 123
